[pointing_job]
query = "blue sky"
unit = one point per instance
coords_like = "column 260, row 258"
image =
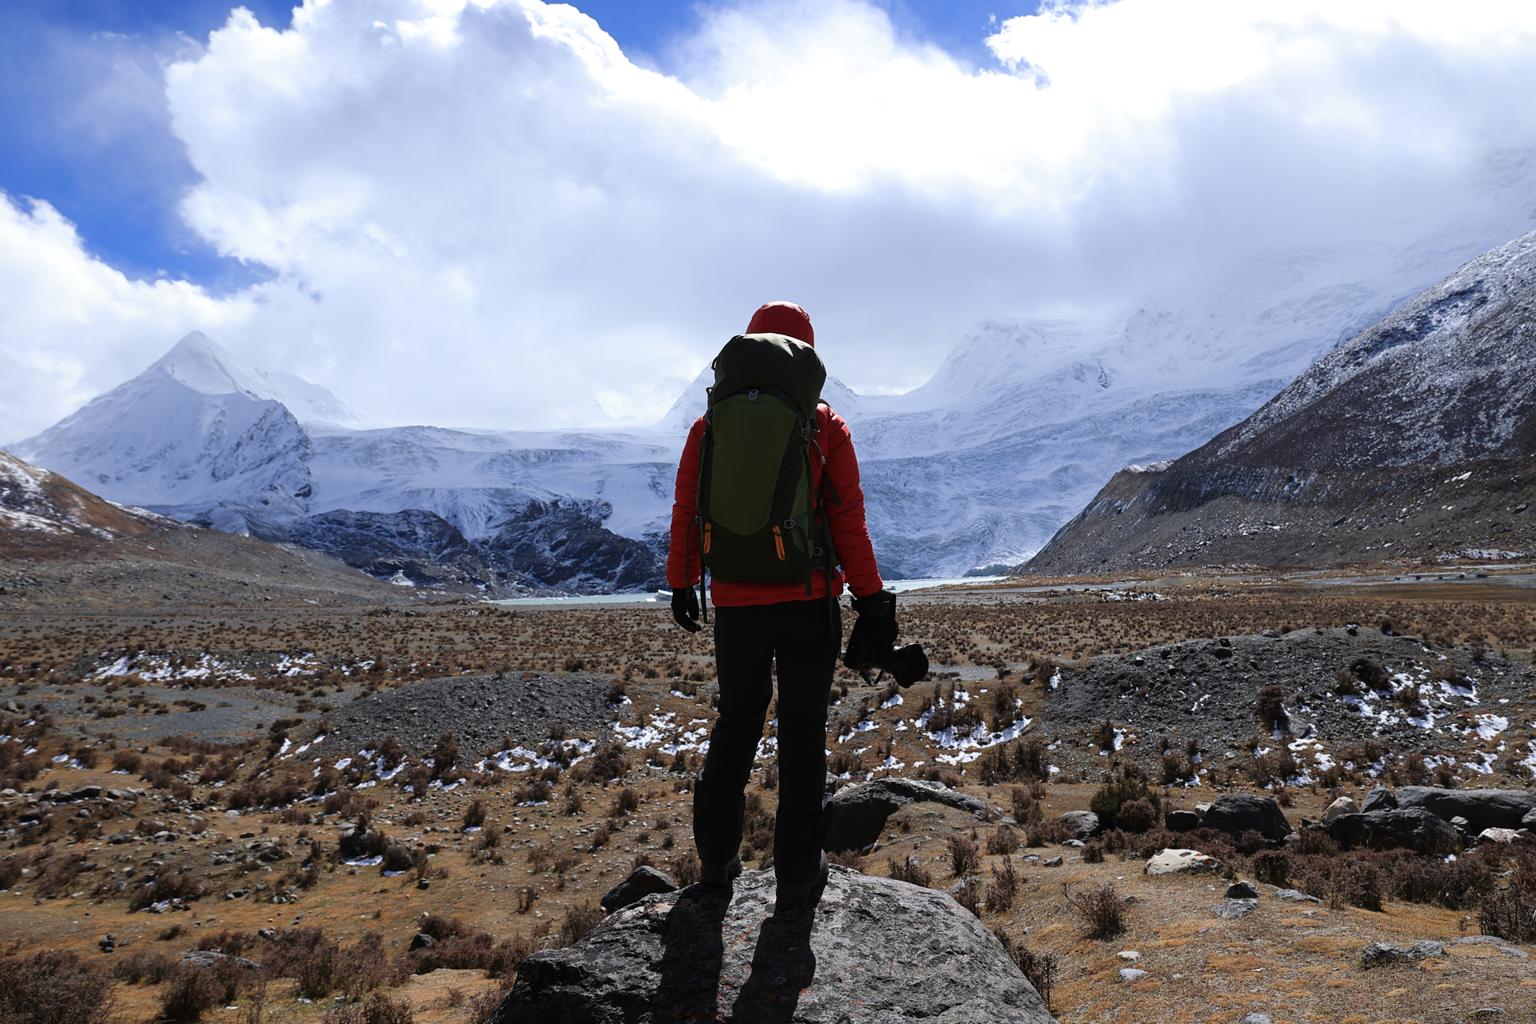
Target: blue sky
column 112, row 166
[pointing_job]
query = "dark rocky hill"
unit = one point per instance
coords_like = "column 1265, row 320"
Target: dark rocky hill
column 1413, row 440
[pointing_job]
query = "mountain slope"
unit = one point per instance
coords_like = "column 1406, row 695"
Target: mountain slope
column 1414, row 439
column 62, row 547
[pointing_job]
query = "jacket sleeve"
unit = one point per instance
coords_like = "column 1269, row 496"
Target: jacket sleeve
column 845, row 516
column 683, row 549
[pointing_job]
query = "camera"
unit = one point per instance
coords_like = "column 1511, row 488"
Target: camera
column 907, row 664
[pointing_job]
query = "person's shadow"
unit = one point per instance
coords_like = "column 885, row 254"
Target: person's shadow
column 783, row 966
column 688, row 986
column 688, row 989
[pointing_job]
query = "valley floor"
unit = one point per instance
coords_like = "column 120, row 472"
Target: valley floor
column 469, row 780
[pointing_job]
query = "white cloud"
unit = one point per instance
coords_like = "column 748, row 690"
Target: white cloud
column 485, row 213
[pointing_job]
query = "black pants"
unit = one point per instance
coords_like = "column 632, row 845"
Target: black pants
column 803, row 638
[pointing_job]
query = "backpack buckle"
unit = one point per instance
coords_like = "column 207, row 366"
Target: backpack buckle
column 752, row 395
column 789, row 524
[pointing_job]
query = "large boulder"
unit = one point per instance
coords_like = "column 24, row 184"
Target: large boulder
column 1079, row 824
column 1483, row 808
column 1379, row 799
column 642, row 882
column 856, row 814
column 1411, row 828
column 875, row 951
column 1343, row 805
column 1182, row 862
column 1235, row 815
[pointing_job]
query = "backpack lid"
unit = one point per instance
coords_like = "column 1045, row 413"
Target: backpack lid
column 775, row 361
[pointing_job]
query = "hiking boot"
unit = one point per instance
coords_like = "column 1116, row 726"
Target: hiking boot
column 718, row 877
column 804, row 896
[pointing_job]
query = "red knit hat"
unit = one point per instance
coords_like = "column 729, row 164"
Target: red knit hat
column 783, row 318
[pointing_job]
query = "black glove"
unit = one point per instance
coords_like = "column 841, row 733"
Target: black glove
column 874, row 632
column 685, row 608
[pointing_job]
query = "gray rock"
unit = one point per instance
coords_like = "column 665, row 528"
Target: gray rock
column 421, row 940
column 1409, row 829
column 1529, row 821
column 1486, row 1013
column 642, row 882
column 1258, row 1018
column 1235, row 815
column 1242, row 891
column 1483, row 808
column 1232, row 910
column 855, row 816
column 1343, row 805
column 1080, row 824
column 1380, row 954
column 1295, row 896
column 1379, row 799
column 1132, row 974
column 915, row 953
column 1499, row 836
column 1183, row 821
column 1182, row 862
column 212, row 958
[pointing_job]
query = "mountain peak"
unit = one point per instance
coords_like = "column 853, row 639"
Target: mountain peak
column 203, row 365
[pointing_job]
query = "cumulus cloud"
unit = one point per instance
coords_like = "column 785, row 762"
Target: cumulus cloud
column 484, row 213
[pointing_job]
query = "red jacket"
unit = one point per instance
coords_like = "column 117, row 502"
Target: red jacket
column 850, row 535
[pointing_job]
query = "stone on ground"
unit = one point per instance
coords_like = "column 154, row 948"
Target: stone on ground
column 1412, row 828
column 1379, row 954
column 1182, row 862
column 856, row 814
column 642, row 882
column 875, row 951
column 1483, row 808
column 1236, row 815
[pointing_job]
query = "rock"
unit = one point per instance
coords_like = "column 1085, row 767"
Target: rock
column 1132, row 974
column 856, row 814
column 1483, row 808
column 212, row 958
column 1231, row 910
column 1408, row 829
column 1054, row 862
column 642, row 882
column 1080, row 824
column 1128, row 955
column 1257, row 1018
column 1343, row 805
column 107, row 943
column 1235, row 815
column 1183, row 821
column 916, row 955
column 1242, row 891
column 421, row 940
column 1529, row 821
column 1182, row 862
column 1295, row 896
column 1501, row 836
column 1379, row 799
column 1380, row 954
column 1460, row 824
column 1486, row 1013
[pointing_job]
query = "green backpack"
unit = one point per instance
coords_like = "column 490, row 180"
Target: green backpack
column 757, row 511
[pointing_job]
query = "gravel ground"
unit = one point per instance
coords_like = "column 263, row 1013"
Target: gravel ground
column 1205, row 690
column 480, row 710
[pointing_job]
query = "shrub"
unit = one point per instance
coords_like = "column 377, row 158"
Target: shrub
column 168, row 883
column 1270, row 705
column 53, row 987
column 379, row 1009
column 1040, row 969
column 474, row 814
column 909, row 870
column 1272, row 868
column 1136, row 816
column 577, row 922
column 1123, row 787
column 1101, row 909
column 144, row 966
column 190, row 993
column 964, row 857
column 1510, row 912
column 1002, row 840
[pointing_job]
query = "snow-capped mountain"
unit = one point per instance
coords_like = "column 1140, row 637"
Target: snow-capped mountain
column 1414, row 439
column 1016, row 430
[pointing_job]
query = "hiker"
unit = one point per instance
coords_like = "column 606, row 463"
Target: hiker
column 768, row 493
